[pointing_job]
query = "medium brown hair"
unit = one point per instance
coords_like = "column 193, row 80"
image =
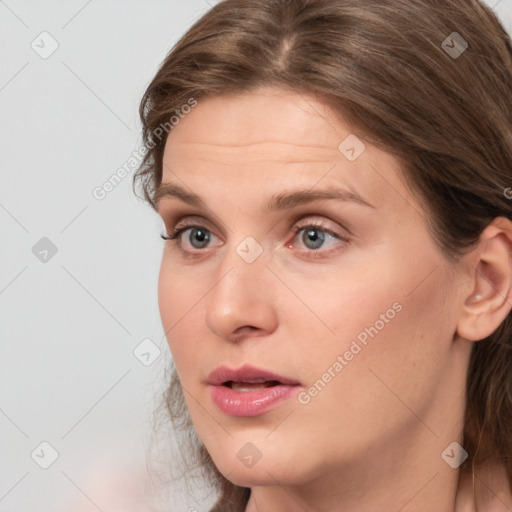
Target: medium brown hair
column 382, row 66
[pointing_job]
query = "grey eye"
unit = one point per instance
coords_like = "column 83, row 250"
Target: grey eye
column 313, row 238
column 199, row 235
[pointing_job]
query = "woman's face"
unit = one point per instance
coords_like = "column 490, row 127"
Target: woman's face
column 347, row 297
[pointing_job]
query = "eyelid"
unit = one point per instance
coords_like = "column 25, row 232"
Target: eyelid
column 326, row 216
column 176, row 215
column 193, row 221
column 323, row 223
column 190, row 221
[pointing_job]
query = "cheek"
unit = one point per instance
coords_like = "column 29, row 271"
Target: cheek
column 390, row 346
column 357, row 301
column 177, row 300
column 388, row 312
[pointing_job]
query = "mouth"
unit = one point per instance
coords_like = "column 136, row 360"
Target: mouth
column 248, row 377
column 249, row 391
column 250, row 385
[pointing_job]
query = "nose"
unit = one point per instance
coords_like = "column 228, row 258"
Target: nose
column 242, row 302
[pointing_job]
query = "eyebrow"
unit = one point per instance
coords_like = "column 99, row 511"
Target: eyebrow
column 278, row 202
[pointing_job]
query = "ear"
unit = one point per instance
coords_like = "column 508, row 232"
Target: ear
column 490, row 300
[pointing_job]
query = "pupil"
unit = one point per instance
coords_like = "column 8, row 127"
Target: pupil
column 313, row 235
column 199, row 236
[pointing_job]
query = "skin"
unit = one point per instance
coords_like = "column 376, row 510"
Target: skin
column 375, row 433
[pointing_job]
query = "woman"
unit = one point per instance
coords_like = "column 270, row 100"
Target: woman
column 335, row 287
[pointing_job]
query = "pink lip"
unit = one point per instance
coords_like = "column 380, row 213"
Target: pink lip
column 249, row 403
column 244, row 374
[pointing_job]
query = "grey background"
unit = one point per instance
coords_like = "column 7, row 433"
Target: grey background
column 70, row 321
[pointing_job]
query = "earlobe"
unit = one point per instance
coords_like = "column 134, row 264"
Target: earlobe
column 490, row 299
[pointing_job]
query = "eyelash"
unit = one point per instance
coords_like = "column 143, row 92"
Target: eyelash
column 179, row 230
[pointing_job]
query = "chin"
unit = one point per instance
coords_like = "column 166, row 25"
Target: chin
column 266, row 471
column 250, row 478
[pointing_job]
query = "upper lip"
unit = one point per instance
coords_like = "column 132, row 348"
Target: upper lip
column 246, row 373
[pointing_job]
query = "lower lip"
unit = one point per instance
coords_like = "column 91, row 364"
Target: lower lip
column 251, row 403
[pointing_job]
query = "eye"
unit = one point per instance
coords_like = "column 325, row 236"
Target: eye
column 198, row 238
column 315, row 235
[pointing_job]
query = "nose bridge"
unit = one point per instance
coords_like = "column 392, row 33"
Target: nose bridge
column 241, row 295
column 244, row 260
column 242, row 271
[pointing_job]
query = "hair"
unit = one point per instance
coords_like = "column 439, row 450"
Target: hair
column 381, row 65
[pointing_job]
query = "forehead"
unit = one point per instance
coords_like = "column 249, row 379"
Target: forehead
column 273, row 138
column 289, row 122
